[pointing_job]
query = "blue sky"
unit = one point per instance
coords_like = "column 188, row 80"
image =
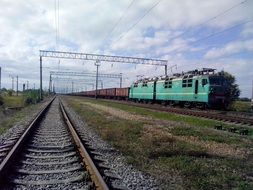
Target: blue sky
column 172, row 30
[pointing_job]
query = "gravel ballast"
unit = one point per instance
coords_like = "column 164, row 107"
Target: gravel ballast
column 131, row 178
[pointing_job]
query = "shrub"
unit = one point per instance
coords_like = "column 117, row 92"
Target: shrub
column 29, row 100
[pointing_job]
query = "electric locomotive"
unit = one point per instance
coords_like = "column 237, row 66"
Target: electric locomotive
column 198, row 88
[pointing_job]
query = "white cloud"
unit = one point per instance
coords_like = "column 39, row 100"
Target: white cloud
column 247, row 30
column 230, row 49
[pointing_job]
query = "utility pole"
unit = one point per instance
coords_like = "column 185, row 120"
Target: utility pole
column 41, row 78
column 27, row 85
column 72, row 87
column 97, row 63
column 23, row 87
column 120, row 82
column 17, row 85
column 12, row 78
column 50, row 83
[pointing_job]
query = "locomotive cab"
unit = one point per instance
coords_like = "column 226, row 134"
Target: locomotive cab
column 217, row 92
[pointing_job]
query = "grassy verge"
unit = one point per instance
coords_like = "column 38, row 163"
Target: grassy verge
column 190, row 120
column 13, row 101
column 169, row 152
column 241, row 106
column 8, row 120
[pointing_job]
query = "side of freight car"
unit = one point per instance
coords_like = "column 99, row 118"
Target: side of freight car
column 101, row 93
column 122, row 93
column 110, row 93
column 90, row 93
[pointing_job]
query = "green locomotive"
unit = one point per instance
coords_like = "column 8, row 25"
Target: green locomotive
column 198, row 88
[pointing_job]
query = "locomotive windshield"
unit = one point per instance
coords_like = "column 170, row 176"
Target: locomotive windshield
column 216, row 81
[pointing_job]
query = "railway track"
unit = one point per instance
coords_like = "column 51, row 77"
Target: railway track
column 222, row 116
column 50, row 154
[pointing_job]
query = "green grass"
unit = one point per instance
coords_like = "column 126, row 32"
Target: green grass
column 153, row 150
column 8, row 120
column 13, row 101
column 24, row 98
column 241, row 106
column 189, row 120
column 195, row 171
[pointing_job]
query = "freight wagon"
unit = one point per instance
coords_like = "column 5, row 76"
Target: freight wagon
column 109, row 93
column 122, row 93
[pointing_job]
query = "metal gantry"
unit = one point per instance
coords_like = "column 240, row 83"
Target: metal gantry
column 72, row 81
column 74, row 85
column 68, row 76
column 98, row 58
column 87, row 74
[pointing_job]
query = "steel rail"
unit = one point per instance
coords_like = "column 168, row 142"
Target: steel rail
column 8, row 160
column 209, row 115
column 90, row 166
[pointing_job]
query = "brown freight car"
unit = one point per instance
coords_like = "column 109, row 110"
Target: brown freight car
column 122, row 93
column 101, row 93
column 110, row 93
column 90, row 93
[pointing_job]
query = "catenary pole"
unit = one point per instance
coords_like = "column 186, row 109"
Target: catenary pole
column 17, row 85
column 41, row 98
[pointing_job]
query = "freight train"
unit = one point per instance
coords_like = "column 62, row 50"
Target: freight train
column 197, row 88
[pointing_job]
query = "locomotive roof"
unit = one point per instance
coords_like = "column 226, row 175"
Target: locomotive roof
column 188, row 74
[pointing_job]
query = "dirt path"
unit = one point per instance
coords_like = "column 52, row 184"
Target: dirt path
column 117, row 112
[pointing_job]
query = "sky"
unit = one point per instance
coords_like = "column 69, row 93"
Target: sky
column 189, row 34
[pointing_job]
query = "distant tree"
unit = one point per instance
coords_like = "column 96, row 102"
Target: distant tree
column 233, row 91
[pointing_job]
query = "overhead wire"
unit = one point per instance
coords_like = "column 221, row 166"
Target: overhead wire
column 216, row 33
column 58, row 20
column 211, row 19
column 139, row 20
column 222, row 31
column 214, row 17
column 205, row 22
column 56, row 25
column 58, row 29
column 119, row 20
